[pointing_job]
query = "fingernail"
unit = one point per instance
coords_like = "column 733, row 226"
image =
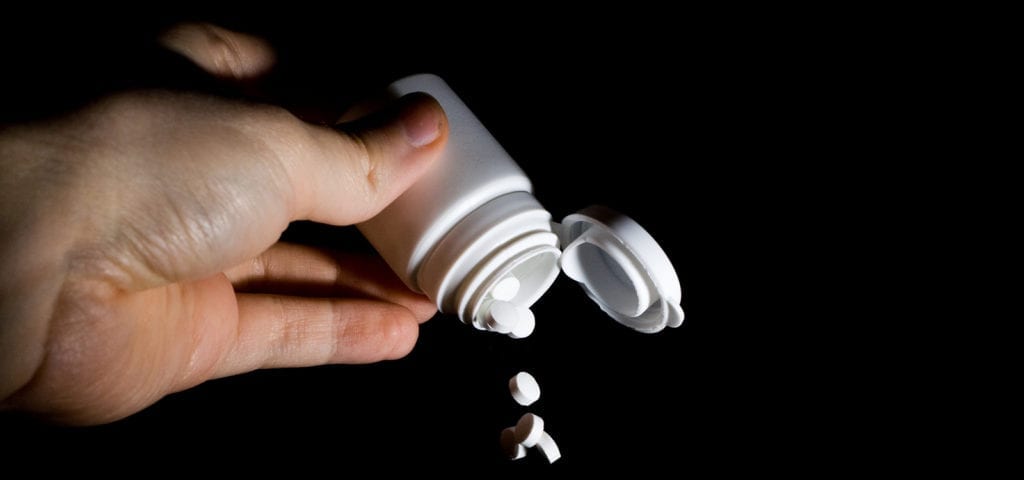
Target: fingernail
column 422, row 124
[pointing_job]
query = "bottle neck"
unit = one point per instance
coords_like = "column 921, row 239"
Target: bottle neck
column 508, row 236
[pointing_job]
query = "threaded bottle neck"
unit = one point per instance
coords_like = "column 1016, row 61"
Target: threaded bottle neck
column 508, row 236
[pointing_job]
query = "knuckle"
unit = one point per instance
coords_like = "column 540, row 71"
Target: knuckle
column 223, row 53
column 368, row 164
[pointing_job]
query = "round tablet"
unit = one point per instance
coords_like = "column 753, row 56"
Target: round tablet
column 512, row 449
column 525, row 323
column 506, row 289
column 503, row 316
column 529, row 429
column 524, row 388
column 548, row 447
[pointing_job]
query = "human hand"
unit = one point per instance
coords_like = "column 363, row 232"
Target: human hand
column 139, row 241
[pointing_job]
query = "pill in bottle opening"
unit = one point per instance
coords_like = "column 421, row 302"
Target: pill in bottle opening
column 507, row 317
column 506, row 289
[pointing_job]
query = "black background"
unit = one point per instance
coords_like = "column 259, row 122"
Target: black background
column 682, row 121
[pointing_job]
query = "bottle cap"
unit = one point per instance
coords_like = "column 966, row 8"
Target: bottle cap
column 622, row 268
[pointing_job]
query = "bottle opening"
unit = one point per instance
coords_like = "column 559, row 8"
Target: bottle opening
column 534, row 269
column 532, row 277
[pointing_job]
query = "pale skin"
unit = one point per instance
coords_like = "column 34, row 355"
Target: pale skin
column 139, row 241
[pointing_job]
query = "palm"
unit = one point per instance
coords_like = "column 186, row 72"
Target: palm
column 171, row 338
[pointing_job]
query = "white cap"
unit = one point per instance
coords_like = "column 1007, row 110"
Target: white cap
column 622, row 268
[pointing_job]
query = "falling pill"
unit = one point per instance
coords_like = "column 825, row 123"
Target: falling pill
column 510, row 446
column 548, row 447
column 529, row 429
column 525, row 389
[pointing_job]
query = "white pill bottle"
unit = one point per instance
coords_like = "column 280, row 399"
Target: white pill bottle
column 470, row 235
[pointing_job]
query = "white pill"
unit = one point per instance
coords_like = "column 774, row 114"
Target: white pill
column 548, row 447
column 510, row 446
column 524, row 388
column 524, row 324
column 529, row 429
column 506, row 289
column 502, row 317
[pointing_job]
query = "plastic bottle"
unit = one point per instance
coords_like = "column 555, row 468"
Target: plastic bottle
column 470, row 233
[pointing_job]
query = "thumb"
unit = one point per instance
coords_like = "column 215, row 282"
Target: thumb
column 227, row 178
column 358, row 173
